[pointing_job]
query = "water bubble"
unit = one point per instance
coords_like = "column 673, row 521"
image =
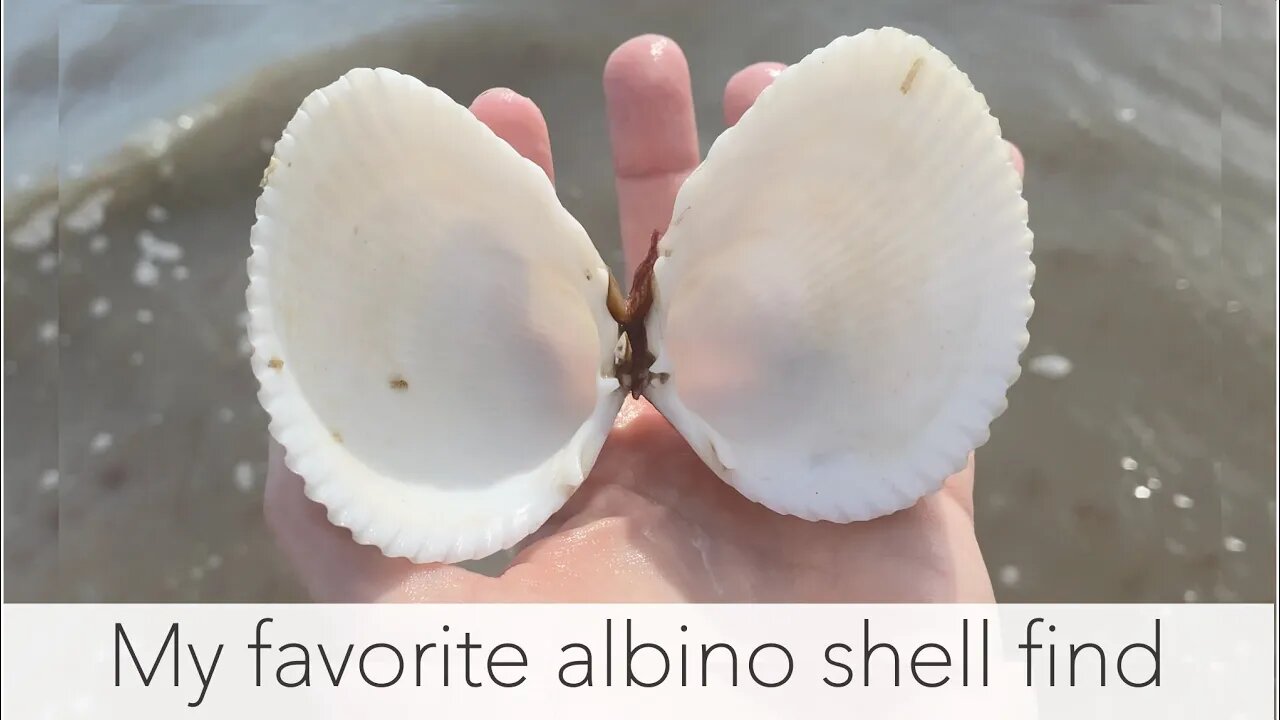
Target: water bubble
column 196, row 573
column 244, row 347
column 185, row 122
column 1128, row 463
column 37, row 231
column 1010, row 575
column 145, row 316
column 226, row 415
column 47, row 262
column 1181, row 284
column 90, row 213
column 1054, row 367
column 214, row 562
column 243, row 476
column 153, row 248
column 156, row 137
column 157, row 214
column 1233, row 306
column 1182, row 502
column 267, row 145
column 99, row 307
column 98, row 244
column 1234, row 544
column 1142, row 492
column 1154, row 483
column 49, row 480
column 1126, row 114
column 180, row 272
column 145, row 273
column 48, row 331
column 1190, row 596
column 101, row 442
column 135, row 358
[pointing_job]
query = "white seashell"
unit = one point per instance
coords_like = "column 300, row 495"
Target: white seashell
column 843, row 293
column 839, row 303
column 428, row 323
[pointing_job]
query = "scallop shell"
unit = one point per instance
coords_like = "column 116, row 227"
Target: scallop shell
column 843, row 293
column 428, row 322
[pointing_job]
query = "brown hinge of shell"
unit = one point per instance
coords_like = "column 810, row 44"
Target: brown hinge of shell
column 630, row 313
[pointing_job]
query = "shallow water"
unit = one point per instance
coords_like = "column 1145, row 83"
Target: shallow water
column 1135, row 462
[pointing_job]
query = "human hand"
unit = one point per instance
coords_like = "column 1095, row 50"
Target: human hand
column 652, row 522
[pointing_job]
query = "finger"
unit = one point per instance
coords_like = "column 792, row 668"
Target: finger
column 649, row 102
column 1019, row 163
column 745, row 86
column 516, row 119
column 332, row 566
column 960, row 485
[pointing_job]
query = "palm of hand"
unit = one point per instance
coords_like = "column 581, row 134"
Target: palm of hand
column 652, row 522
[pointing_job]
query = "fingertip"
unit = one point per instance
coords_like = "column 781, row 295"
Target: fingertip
column 1019, row 163
column 649, row 100
column 516, row 119
column 745, row 86
column 653, row 61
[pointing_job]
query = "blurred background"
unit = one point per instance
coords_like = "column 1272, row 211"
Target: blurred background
column 1136, row 461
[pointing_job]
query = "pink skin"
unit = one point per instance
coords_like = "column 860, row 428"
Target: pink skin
column 652, row 523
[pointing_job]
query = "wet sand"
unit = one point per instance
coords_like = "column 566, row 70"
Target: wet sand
column 1135, row 462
